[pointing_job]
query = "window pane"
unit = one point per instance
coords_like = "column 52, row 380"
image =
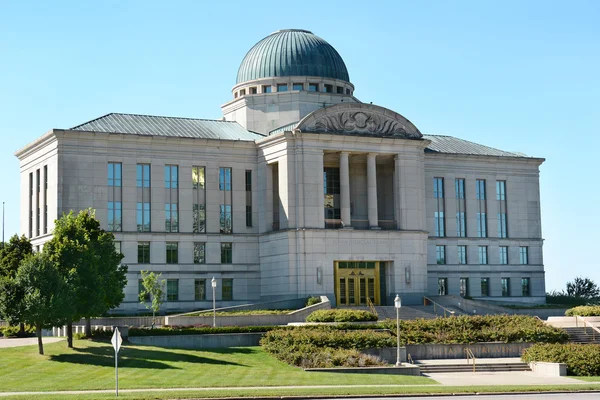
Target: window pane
column 200, row 289
column 199, row 251
column 227, row 289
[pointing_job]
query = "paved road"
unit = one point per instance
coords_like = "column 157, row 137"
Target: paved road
column 18, row 342
column 502, row 378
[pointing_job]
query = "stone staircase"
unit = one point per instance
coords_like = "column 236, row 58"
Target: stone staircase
column 480, row 366
column 578, row 335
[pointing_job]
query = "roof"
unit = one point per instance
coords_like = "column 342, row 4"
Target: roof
column 452, row 145
column 151, row 125
column 292, row 52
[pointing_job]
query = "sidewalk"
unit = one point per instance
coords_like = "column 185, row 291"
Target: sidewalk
column 18, row 342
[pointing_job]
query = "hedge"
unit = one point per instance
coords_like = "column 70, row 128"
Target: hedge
column 198, row 330
column 313, row 300
column 584, row 311
column 581, row 359
column 341, row 315
column 13, row 331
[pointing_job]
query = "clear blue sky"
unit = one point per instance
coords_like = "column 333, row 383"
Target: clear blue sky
column 516, row 75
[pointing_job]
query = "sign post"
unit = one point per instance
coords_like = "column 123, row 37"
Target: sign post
column 116, row 343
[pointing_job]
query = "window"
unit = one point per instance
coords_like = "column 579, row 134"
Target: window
column 348, row 91
column 171, row 198
column 200, row 289
column 143, row 197
column 117, row 246
column 143, row 175
column 253, row 90
column 461, row 225
column 313, row 87
column 172, row 253
column 227, row 289
column 143, row 216
column 143, row 252
column 141, row 290
column 483, row 255
column 340, row 90
column 523, row 255
column 114, row 197
column 282, row 87
column 199, row 253
column 331, row 190
column 440, row 252
column 481, row 208
column 224, row 178
column 462, row 254
column 503, row 255
column 172, row 289
column 266, row 89
column 525, row 289
column 226, row 253
column 464, row 287
column 438, row 194
column 505, row 282
column 442, row 286
column 248, row 198
column 198, row 199
column 242, row 92
column 45, row 199
column 298, row 86
column 502, row 225
column 501, row 200
column 328, row 88
column 30, row 205
column 225, row 218
column 37, row 201
column 485, row 286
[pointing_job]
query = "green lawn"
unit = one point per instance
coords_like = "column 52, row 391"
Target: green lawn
column 587, row 378
column 90, row 365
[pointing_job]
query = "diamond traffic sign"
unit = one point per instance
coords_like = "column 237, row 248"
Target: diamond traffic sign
column 116, row 340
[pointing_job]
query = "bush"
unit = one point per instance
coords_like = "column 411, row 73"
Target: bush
column 324, row 347
column 312, row 301
column 584, row 311
column 581, row 359
column 197, row 330
column 477, row 329
column 339, row 315
column 13, row 331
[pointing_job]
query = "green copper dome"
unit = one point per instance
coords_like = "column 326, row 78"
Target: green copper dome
column 292, row 52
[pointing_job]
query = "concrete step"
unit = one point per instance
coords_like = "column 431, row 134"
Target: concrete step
column 579, row 335
column 448, row 368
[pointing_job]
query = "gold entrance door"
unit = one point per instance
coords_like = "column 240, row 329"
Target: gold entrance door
column 355, row 281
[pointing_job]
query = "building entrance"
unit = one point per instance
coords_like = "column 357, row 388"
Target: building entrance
column 355, row 281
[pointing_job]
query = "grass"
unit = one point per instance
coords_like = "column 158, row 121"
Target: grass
column 90, row 365
column 587, row 378
column 209, row 313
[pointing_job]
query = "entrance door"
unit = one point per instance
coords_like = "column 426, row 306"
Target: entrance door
column 356, row 281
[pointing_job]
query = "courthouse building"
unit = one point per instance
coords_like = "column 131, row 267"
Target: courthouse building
column 300, row 189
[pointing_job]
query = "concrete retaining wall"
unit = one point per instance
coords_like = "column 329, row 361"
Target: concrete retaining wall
column 549, row 369
column 408, row 369
column 570, row 322
column 194, row 342
column 124, row 321
column 455, row 351
column 387, row 354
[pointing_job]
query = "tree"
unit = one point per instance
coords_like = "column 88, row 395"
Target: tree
column 152, row 296
column 12, row 255
column 46, row 298
column 86, row 256
column 583, row 288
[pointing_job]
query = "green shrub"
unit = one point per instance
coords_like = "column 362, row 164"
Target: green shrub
column 209, row 313
column 340, row 315
column 198, row 330
column 313, row 300
column 14, row 331
column 584, row 311
column 581, row 359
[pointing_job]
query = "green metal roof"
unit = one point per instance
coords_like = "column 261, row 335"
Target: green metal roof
column 452, row 145
column 292, row 52
column 151, row 125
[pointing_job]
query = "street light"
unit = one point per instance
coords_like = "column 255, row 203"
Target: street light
column 214, row 286
column 398, row 304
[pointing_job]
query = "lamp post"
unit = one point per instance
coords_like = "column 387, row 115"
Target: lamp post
column 214, row 286
column 398, row 304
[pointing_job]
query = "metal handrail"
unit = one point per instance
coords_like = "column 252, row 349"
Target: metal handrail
column 372, row 306
column 585, row 325
column 435, row 305
column 470, row 356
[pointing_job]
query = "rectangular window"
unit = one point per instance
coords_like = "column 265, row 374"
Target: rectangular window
column 171, row 198
column 523, row 255
column 438, row 194
column 171, row 218
column 481, row 208
column 505, row 282
column 331, row 190
column 442, row 286
column 141, row 290
column 503, row 255
column 45, row 199
column 464, row 287
column 266, row 89
column 198, row 199
column 172, row 253
column 199, row 252
column 328, row 88
column 485, row 286
column 313, row 87
column 483, row 255
column 225, row 218
column 172, row 289
column 114, row 197
column 248, row 198
column 253, row 90
column 117, row 246
column 340, row 89
column 282, row 87
column 224, row 178
column 462, row 254
column 143, row 197
column 30, row 205
column 461, row 225
column 171, row 176
column 227, row 289
column 200, row 289
column 298, row 86
column 525, row 289
column 226, row 253
column 440, row 252
column 143, row 252
column 38, row 185
column 243, row 92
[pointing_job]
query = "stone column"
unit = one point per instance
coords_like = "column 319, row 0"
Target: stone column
column 345, row 189
column 372, row 191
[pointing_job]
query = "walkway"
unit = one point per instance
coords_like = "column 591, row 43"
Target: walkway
column 18, row 342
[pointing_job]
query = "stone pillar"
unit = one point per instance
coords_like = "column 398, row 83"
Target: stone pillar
column 345, row 189
column 398, row 203
column 372, row 191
